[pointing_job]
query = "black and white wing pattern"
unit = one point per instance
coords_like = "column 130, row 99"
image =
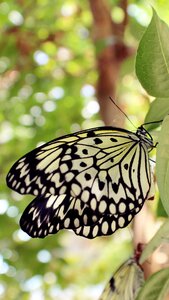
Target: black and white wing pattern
column 93, row 181
column 125, row 283
column 48, row 214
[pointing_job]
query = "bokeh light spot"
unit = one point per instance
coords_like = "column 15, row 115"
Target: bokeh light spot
column 49, row 106
column 15, row 17
column 87, row 90
column 57, row 92
column 44, row 256
column 41, row 58
column 3, row 206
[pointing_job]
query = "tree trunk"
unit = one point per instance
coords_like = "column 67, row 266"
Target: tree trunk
column 108, row 36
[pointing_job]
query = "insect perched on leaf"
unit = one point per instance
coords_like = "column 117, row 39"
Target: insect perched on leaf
column 93, row 181
column 126, row 282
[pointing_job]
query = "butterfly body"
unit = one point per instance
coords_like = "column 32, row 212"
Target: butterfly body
column 93, row 181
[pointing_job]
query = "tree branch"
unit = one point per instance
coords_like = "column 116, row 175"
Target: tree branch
column 108, row 35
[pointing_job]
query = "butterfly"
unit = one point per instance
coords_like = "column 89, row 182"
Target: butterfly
column 126, row 282
column 92, row 182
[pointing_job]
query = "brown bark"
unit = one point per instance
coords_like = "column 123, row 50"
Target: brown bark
column 109, row 59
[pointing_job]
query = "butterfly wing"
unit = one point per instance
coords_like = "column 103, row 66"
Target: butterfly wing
column 107, row 165
column 60, row 165
column 48, row 214
column 107, row 169
column 106, row 224
column 125, row 283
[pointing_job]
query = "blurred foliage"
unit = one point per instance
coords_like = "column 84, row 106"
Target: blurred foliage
column 160, row 210
column 47, row 89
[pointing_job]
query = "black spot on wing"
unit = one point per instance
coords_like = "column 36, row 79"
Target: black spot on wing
column 87, row 176
column 83, row 164
column 112, row 284
column 115, row 187
column 126, row 166
column 101, row 185
column 98, row 141
column 85, row 151
column 113, row 140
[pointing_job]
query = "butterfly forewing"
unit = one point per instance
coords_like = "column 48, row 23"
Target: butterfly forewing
column 106, row 169
column 57, row 162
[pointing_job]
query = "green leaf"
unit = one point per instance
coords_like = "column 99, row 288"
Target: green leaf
column 159, row 108
column 152, row 61
column 156, row 287
column 162, row 164
column 160, row 237
column 160, row 211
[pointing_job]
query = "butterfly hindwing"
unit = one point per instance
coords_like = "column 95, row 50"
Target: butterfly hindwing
column 106, row 224
column 48, row 214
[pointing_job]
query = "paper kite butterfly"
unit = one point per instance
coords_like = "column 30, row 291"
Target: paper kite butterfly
column 126, row 282
column 93, row 181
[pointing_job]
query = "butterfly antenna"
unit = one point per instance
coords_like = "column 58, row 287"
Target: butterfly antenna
column 121, row 111
column 152, row 122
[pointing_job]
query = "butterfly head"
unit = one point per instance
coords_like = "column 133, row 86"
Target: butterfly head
column 145, row 137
